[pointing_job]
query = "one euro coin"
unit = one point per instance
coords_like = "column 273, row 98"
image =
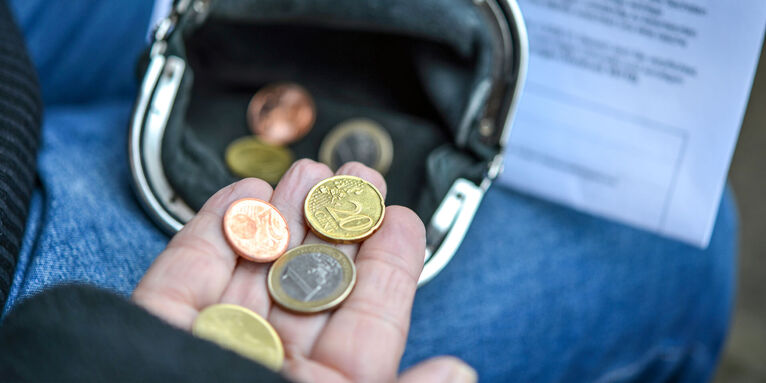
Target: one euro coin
column 360, row 139
column 311, row 278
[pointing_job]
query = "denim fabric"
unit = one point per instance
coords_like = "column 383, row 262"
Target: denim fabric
column 84, row 50
column 537, row 292
column 85, row 223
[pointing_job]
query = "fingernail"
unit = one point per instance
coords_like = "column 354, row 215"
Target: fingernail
column 463, row 373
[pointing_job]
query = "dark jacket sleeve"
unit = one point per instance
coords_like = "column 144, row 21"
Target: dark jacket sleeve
column 83, row 334
column 20, row 116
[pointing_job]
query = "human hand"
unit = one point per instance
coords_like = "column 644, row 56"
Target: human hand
column 361, row 341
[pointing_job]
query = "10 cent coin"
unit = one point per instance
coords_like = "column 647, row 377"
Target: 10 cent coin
column 256, row 230
column 344, row 209
column 311, row 278
column 240, row 330
column 249, row 157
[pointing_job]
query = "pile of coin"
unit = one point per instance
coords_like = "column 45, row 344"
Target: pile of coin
column 309, row 278
column 277, row 115
column 281, row 114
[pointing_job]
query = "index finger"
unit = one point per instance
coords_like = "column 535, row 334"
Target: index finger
column 372, row 324
column 195, row 268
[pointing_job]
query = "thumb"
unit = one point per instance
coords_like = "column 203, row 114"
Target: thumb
column 447, row 369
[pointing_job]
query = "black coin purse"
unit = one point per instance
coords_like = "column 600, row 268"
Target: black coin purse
column 441, row 76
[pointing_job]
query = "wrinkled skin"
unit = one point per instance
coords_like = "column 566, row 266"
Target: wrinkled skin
column 361, row 341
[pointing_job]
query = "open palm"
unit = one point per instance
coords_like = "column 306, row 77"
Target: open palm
column 362, row 341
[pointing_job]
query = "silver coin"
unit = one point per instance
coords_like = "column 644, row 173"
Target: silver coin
column 361, row 140
column 358, row 146
column 311, row 277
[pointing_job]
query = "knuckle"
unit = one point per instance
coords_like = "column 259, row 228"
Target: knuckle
column 407, row 220
column 356, row 169
column 308, row 168
column 239, row 189
column 249, row 186
column 373, row 316
column 392, row 268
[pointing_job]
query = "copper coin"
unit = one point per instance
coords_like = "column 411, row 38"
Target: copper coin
column 256, row 230
column 282, row 113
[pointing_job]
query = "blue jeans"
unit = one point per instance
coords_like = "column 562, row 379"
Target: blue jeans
column 537, row 292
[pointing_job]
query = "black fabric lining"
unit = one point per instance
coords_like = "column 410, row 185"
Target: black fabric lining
column 451, row 22
column 20, row 117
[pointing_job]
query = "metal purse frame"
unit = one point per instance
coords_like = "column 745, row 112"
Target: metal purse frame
column 452, row 218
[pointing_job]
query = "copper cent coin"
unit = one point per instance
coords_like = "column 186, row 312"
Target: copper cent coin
column 256, row 230
column 282, row 113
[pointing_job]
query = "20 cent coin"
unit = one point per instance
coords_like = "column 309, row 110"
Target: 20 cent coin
column 311, row 278
column 240, row 330
column 344, row 209
column 256, row 230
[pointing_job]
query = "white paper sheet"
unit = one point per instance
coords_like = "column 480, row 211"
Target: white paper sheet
column 632, row 107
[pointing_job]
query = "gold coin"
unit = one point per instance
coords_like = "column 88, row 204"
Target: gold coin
column 311, row 278
column 344, row 209
column 242, row 331
column 249, row 157
column 361, row 140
